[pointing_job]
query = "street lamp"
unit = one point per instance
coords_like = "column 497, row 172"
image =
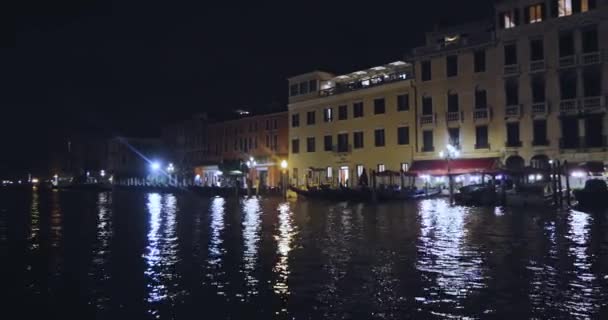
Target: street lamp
column 449, row 154
column 284, row 177
column 170, row 170
column 155, row 166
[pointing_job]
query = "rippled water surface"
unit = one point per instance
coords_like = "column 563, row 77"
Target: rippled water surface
column 131, row 255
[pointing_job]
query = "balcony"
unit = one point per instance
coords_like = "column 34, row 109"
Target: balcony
column 567, row 61
column 568, row 106
column 481, row 114
column 513, row 144
column 453, row 116
column 592, row 104
column 511, row 69
column 591, row 58
column 583, row 143
column 513, row 111
column 540, row 109
column 537, row 66
column 570, row 143
column 427, row 119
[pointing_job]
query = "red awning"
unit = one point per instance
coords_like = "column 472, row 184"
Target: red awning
column 457, row 166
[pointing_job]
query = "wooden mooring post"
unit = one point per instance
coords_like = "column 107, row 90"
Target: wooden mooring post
column 560, row 194
column 554, row 182
column 565, row 168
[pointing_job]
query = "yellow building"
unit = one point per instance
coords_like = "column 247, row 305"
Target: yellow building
column 339, row 125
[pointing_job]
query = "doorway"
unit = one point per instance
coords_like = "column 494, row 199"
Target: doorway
column 344, row 176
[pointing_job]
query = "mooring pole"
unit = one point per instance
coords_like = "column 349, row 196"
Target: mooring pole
column 559, row 184
column 565, row 168
column 554, row 182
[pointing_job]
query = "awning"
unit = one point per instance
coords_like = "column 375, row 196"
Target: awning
column 457, row 166
column 589, row 166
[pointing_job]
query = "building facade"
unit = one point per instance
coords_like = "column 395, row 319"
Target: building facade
column 252, row 146
column 341, row 125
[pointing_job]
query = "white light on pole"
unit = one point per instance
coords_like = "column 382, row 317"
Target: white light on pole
column 155, row 166
column 449, row 154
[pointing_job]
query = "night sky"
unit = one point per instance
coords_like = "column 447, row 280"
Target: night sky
column 126, row 67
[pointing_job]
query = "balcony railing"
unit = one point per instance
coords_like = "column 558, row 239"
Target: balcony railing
column 482, row 146
column 568, row 106
column 582, row 143
column 540, row 108
column 592, row 104
column 513, row 144
column 511, row 69
column 427, row 119
column 452, row 116
column 513, row 111
column 481, row 114
column 538, row 65
column 367, row 83
column 590, row 58
column 567, row 61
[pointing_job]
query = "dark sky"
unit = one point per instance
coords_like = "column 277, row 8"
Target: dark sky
column 127, row 67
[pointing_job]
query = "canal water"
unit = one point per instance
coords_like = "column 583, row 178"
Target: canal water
column 136, row 255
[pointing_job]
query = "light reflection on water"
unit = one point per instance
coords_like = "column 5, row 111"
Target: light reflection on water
column 305, row 259
column 251, row 237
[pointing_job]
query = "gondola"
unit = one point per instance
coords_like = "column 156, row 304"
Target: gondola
column 593, row 196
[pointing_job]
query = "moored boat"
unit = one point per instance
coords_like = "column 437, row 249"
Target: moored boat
column 593, row 195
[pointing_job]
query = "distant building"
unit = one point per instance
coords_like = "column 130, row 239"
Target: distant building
column 231, row 144
column 341, row 125
column 132, row 157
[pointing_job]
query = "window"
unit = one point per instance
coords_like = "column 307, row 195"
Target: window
column 539, row 132
column 510, row 54
column 405, row 167
column 538, row 89
column 275, row 140
column 310, row 118
column 403, row 102
column 453, row 102
column 513, row 134
column 268, row 142
column 328, row 115
column 379, row 107
column 427, row 106
column 295, row 175
column 295, row 120
column 590, row 40
column 481, row 137
column 379, row 140
column 451, row 66
column 328, row 143
column 592, row 82
column 381, row 168
column 507, row 19
column 481, row 100
column 275, row 124
column 358, row 139
column 566, row 44
column 310, row 144
column 357, row 109
column 303, row 87
column 454, row 137
column 295, row 146
column 343, row 142
column 255, row 142
column 512, row 92
column 566, row 79
column 329, row 171
column 427, row 141
column 267, row 124
column 425, row 66
column 479, row 58
column 564, row 8
column 359, row 170
column 587, row 5
column 312, row 85
column 293, row 90
column 537, row 51
column 534, row 13
column 342, row 113
column 403, row 135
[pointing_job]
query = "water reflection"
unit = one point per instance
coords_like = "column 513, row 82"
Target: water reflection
column 251, row 237
column 286, row 231
column 215, row 272
column 444, row 257
column 101, row 248
column 162, row 251
column 34, row 241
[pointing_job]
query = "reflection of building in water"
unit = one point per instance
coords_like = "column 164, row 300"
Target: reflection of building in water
column 443, row 255
column 251, row 237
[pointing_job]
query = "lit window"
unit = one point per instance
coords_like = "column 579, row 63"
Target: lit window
column 328, row 114
column 381, row 168
column 584, row 5
column 329, row 172
column 535, row 13
column 405, row 166
column 564, row 7
column 508, row 21
column 359, row 170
